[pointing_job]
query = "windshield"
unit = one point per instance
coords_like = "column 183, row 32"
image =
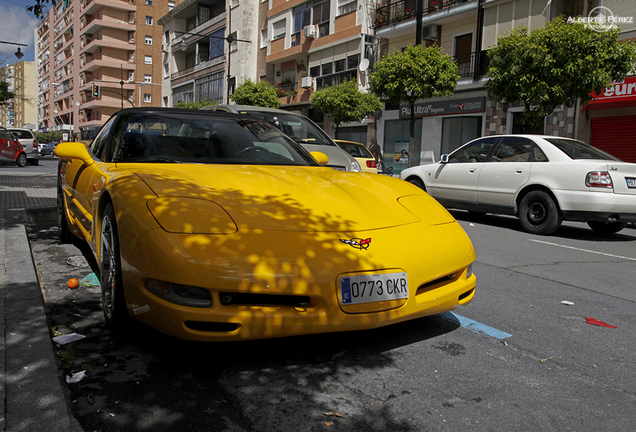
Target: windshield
column 175, row 137
column 580, row 150
column 21, row 134
column 300, row 128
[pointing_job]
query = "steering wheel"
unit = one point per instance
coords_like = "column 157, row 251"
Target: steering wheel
column 254, row 149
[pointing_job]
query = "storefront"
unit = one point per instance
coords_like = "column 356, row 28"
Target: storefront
column 441, row 126
column 609, row 121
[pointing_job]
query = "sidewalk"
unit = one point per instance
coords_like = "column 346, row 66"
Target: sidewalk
column 30, row 384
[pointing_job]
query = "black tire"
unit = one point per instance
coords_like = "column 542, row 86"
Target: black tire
column 539, row 214
column 113, row 301
column 66, row 236
column 417, row 182
column 21, row 160
column 606, row 227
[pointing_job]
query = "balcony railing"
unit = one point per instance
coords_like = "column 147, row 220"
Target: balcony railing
column 403, row 10
column 467, row 65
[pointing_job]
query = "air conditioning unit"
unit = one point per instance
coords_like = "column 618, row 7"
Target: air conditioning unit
column 309, row 31
column 429, row 32
column 307, row 82
column 164, row 48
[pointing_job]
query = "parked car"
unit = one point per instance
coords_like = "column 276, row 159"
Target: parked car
column 215, row 226
column 11, row 150
column 360, row 153
column 29, row 144
column 48, row 149
column 301, row 129
column 543, row 180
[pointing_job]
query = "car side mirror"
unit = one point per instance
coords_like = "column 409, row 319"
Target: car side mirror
column 73, row 150
column 320, row 157
column 444, row 158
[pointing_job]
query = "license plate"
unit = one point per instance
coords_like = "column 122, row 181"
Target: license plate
column 373, row 288
column 631, row 182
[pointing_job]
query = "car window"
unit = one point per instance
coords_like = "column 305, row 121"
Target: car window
column 97, row 146
column 476, row 151
column 513, row 149
column 579, row 150
column 5, row 134
column 356, row 150
column 21, row 134
column 539, row 156
column 299, row 128
column 156, row 137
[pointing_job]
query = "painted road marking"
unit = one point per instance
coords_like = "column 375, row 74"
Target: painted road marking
column 475, row 326
column 583, row 250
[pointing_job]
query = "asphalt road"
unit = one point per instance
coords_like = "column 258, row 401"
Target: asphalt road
column 525, row 361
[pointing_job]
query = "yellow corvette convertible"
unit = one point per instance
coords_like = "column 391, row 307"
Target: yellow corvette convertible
column 215, row 227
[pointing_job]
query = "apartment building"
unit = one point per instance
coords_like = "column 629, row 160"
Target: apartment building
column 112, row 44
column 209, row 48
column 466, row 29
column 310, row 45
column 21, row 110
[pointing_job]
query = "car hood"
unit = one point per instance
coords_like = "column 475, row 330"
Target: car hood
column 309, row 199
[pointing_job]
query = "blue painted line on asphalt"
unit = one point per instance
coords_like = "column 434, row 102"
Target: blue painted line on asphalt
column 475, row 326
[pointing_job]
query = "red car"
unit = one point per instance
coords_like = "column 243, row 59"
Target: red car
column 11, row 150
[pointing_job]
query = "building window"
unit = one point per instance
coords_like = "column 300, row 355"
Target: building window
column 147, row 98
column 166, row 70
column 264, row 38
column 210, row 88
column 302, row 18
column 131, row 76
column 216, row 43
column 148, row 20
column 148, row 40
column 278, row 30
column 321, row 16
column 148, row 2
column 346, row 6
column 170, row 5
column 147, row 78
column 148, row 59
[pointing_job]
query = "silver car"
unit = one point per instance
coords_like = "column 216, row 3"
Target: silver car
column 301, row 129
column 29, row 144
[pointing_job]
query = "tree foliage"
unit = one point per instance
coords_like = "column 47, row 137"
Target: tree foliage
column 46, row 137
column 412, row 74
column 194, row 105
column 5, row 94
column 261, row 94
column 344, row 103
column 40, row 6
column 555, row 65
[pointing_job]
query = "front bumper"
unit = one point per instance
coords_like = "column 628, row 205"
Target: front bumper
column 308, row 267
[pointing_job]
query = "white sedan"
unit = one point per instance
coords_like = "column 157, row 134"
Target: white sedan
column 543, row 180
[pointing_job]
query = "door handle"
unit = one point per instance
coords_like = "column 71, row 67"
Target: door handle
column 472, row 170
column 518, row 171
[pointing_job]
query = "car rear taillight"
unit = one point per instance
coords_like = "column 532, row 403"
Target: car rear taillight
column 35, row 144
column 600, row 179
column 371, row 164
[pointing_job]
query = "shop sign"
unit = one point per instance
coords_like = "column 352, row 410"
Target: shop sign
column 455, row 106
column 618, row 92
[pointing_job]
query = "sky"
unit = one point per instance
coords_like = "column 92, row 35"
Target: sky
column 16, row 25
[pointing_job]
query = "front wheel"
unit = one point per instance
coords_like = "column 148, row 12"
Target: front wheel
column 539, row 214
column 64, row 231
column 113, row 302
column 417, row 182
column 606, row 227
column 21, row 161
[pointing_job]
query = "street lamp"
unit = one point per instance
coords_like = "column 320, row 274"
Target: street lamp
column 19, row 54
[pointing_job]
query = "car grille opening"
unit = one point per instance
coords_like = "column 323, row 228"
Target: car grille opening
column 214, row 327
column 231, row 298
column 434, row 283
column 466, row 294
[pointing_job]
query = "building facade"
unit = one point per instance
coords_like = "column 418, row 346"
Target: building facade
column 21, row 110
column 96, row 57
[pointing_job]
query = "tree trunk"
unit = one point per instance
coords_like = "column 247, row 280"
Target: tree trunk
column 412, row 136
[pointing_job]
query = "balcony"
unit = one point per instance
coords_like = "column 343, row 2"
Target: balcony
column 95, row 5
column 95, row 44
column 94, row 24
column 97, row 63
column 404, row 10
column 199, row 66
column 467, row 66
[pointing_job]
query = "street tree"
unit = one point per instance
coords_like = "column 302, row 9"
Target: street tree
column 412, row 74
column 5, row 94
column 194, row 105
column 556, row 64
column 261, row 94
column 344, row 103
column 39, row 7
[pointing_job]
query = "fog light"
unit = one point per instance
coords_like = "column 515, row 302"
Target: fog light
column 184, row 295
column 226, row 298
